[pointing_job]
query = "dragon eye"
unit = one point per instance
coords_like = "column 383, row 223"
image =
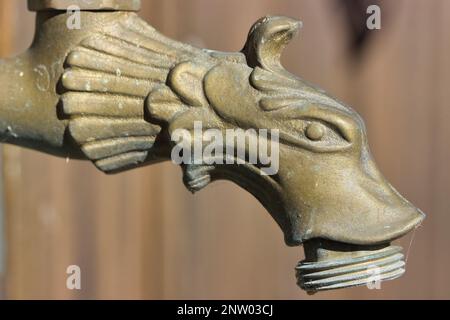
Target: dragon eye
column 315, row 131
column 314, row 134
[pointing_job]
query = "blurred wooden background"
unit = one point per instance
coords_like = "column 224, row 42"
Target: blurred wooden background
column 141, row 235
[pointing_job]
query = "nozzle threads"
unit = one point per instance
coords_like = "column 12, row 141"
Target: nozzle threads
column 343, row 269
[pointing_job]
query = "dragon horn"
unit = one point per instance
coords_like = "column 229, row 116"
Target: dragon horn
column 267, row 39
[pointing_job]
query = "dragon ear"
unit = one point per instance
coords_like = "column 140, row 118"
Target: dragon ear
column 267, row 39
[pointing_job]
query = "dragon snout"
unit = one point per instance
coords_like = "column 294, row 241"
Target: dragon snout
column 356, row 250
column 346, row 214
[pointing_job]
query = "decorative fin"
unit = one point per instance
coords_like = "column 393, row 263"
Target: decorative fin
column 119, row 48
column 163, row 105
column 106, row 105
column 83, row 80
column 117, row 146
column 82, row 128
column 122, row 162
column 108, row 81
column 113, row 135
column 94, row 60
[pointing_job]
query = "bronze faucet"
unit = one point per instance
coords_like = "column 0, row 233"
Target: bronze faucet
column 115, row 90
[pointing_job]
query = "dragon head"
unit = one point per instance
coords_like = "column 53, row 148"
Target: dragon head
column 326, row 193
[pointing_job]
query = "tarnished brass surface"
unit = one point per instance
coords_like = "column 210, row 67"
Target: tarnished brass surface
column 95, row 5
column 114, row 92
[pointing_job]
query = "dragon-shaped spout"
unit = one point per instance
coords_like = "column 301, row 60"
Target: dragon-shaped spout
column 116, row 91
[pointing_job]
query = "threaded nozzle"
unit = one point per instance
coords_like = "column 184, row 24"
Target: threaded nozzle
column 329, row 265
